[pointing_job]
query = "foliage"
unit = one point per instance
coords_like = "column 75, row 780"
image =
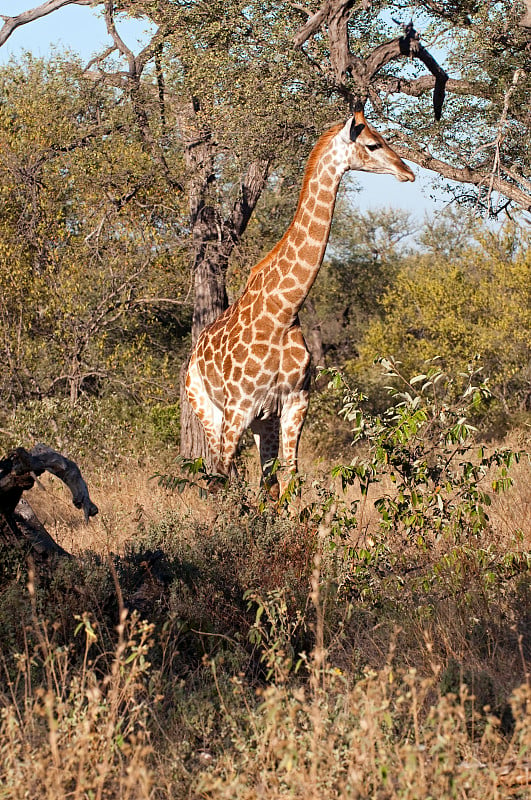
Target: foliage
column 230, row 59
column 255, row 92
column 423, row 444
column 88, row 242
column 102, row 209
column 97, row 229
column 365, row 253
column 100, row 430
column 475, row 301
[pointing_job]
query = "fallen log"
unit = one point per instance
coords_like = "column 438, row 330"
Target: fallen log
column 18, row 472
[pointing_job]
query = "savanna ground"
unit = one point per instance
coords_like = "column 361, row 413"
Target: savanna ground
column 343, row 646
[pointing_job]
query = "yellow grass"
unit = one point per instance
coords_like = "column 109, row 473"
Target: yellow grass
column 131, row 495
column 382, row 706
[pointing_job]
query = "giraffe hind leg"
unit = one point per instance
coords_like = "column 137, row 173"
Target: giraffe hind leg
column 266, row 436
column 291, row 424
column 233, row 425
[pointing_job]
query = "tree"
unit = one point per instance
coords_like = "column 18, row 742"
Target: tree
column 354, row 50
column 88, row 262
column 481, row 137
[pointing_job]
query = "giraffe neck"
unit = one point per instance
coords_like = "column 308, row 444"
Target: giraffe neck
column 289, row 271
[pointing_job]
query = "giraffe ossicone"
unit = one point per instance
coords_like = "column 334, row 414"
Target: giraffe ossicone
column 251, row 366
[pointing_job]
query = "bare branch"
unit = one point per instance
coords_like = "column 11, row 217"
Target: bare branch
column 136, row 66
column 409, row 45
column 99, row 58
column 119, row 43
column 310, row 27
column 418, row 86
column 526, row 184
column 501, row 131
column 479, row 177
column 335, row 15
column 302, row 9
column 455, row 15
column 146, row 301
column 12, row 23
column 116, row 79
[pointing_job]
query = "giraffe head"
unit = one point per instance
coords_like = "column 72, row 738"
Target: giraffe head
column 367, row 151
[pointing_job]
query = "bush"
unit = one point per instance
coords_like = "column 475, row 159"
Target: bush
column 474, row 302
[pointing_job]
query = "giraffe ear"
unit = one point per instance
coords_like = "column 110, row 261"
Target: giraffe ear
column 355, row 129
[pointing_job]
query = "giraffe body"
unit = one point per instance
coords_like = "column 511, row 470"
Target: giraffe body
column 251, row 367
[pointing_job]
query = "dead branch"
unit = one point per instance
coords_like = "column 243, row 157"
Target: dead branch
column 478, row 176
column 501, row 133
column 18, row 472
column 136, row 65
column 334, row 15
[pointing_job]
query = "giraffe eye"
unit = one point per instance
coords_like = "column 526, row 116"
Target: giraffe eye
column 373, row 146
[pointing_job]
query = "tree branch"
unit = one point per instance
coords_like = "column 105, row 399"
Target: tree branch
column 335, row 15
column 136, row 66
column 481, row 177
column 418, row 86
column 119, row 43
column 311, row 27
column 12, row 23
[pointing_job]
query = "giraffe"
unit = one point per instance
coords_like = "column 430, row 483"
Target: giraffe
column 250, row 367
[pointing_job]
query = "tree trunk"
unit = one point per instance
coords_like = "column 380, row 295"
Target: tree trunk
column 210, row 300
column 193, row 440
column 314, row 335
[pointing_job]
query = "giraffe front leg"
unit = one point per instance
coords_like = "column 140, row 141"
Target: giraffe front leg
column 291, row 423
column 266, row 436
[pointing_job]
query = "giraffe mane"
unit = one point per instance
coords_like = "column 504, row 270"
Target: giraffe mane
column 321, row 144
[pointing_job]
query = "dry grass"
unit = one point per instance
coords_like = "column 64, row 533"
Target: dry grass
column 78, row 734
column 127, row 499
column 399, row 679
column 511, row 511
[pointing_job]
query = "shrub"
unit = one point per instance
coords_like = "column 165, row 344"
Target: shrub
column 476, row 301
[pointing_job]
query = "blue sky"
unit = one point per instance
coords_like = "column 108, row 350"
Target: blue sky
column 79, row 28
column 82, row 30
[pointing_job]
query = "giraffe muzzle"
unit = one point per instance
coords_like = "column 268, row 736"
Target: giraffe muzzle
column 406, row 174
